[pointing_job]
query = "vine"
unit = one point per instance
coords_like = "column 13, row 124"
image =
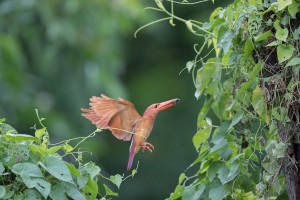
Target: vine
column 31, row 168
column 248, row 128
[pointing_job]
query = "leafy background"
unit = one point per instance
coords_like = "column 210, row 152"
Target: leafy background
column 55, row 54
column 247, row 135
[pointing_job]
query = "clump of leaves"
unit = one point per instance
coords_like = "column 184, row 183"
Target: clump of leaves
column 248, row 127
column 31, row 168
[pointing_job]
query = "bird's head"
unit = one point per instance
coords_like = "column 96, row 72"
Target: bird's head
column 153, row 109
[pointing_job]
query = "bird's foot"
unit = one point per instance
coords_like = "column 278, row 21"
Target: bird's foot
column 147, row 146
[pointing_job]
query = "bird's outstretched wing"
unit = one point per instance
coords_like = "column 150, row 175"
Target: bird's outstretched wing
column 117, row 115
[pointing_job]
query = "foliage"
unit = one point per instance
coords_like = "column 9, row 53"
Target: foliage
column 31, row 168
column 250, row 86
column 75, row 44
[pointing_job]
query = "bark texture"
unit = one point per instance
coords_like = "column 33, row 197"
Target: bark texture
column 291, row 161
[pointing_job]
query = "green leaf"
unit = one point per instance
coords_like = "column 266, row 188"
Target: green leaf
column 282, row 34
column 218, row 193
column 92, row 169
column 8, row 194
column 20, row 138
column 188, row 192
column 259, row 104
column 256, row 70
column 220, row 145
column 42, row 186
column 28, row 169
column 280, row 150
column 73, row 192
column 282, row 4
column 68, row 148
column 57, row 168
column 220, row 132
column 263, row 36
column 213, row 89
column 177, row 193
column 192, row 193
column 284, row 52
column 293, row 8
column 109, row 192
column 58, row 192
column 90, row 189
column 296, row 69
column 40, row 133
column 205, row 75
column 232, row 160
column 37, row 148
column 116, row 179
column 220, row 106
column 236, row 119
column 226, row 152
column 296, row 34
column 205, row 166
column 204, row 110
column 269, row 166
column 190, row 65
column 226, row 59
column 2, row 120
column 248, row 48
column 27, row 180
column 293, row 61
column 82, row 181
column 225, row 37
column 223, row 174
column 181, row 178
column 213, row 170
column 32, row 194
column 73, row 169
column 2, row 191
column 54, row 149
column 270, row 146
column 133, row 172
column 202, row 135
column 233, row 170
column 189, row 25
column 7, row 129
column 200, row 158
column 281, row 114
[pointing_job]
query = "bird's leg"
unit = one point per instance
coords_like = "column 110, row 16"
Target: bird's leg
column 147, row 146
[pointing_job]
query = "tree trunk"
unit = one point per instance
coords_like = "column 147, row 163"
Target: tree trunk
column 291, row 162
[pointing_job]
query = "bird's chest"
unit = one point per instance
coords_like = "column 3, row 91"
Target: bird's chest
column 144, row 128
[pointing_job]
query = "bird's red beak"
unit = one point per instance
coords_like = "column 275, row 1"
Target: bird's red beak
column 167, row 104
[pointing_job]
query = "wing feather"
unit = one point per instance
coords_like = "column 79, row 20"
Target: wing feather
column 117, row 115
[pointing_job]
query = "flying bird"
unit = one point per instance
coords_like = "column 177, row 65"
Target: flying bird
column 125, row 123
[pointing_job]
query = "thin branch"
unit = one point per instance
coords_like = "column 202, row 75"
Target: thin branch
column 149, row 24
column 188, row 3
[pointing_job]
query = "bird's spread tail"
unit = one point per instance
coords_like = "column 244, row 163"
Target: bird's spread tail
column 130, row 160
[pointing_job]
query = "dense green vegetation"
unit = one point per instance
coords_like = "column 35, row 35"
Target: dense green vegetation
column 31, row 168
column 250, row 82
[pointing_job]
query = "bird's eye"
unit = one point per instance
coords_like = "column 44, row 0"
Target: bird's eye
column 155, row 106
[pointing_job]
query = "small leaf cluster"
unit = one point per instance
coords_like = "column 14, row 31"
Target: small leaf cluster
column 31, row 168
column 249, row 81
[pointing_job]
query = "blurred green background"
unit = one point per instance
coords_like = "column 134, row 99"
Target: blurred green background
column 54, row 55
